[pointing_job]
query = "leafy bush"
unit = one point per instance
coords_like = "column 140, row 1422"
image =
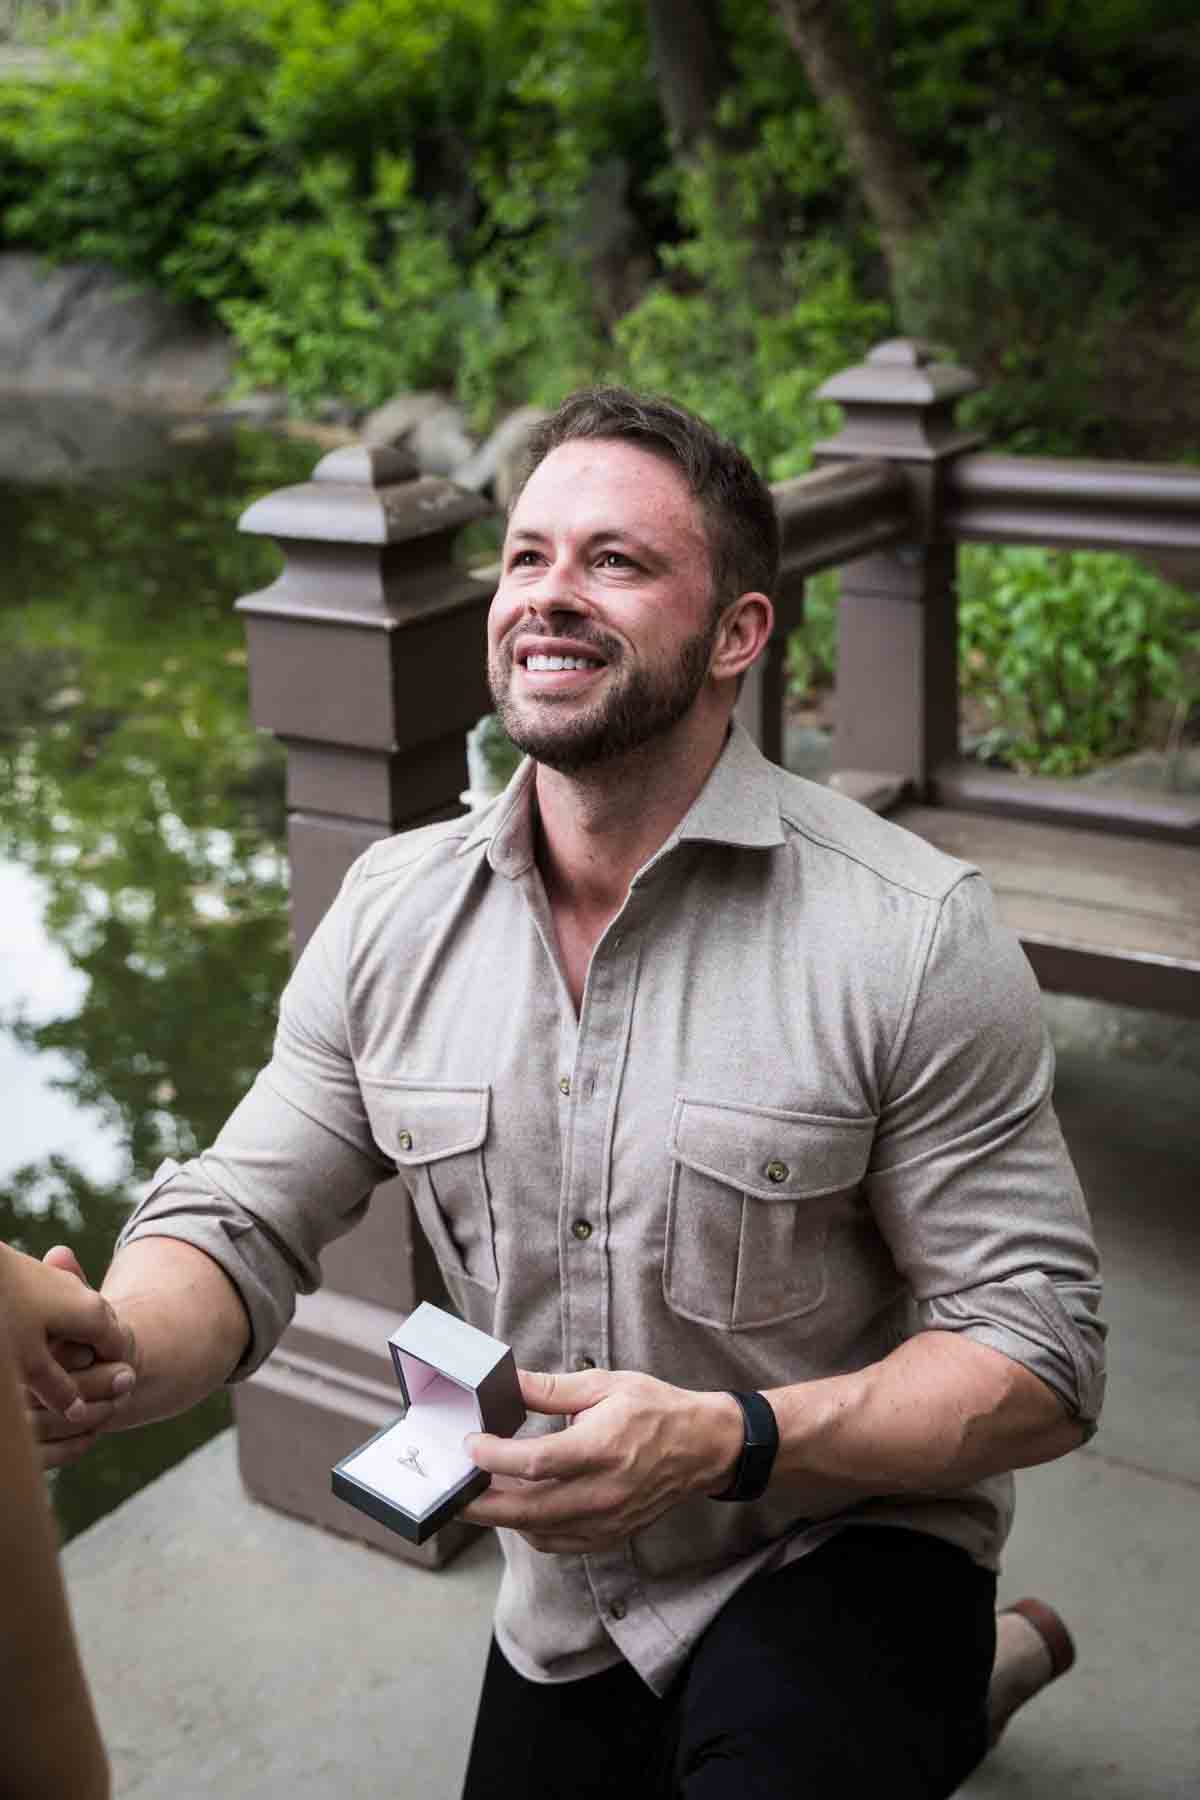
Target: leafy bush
column 357, row 300
column 1068, row 652
column 1024, row 290
column 812, row 647
column 736, row 335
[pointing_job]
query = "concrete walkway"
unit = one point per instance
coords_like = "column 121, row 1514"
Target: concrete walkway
column 235, row 1652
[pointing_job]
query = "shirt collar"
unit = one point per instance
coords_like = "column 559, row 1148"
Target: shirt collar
column 738, row 805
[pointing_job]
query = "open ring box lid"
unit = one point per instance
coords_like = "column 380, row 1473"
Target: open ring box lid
column 414, row 1474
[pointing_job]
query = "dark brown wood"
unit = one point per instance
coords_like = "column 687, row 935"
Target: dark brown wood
column 1098, row 913
column 834, row 514
column 1073, row 504
column 899, row 405
column 367, row 660
column 897, row 695
column 972, row 787
column 897, row 674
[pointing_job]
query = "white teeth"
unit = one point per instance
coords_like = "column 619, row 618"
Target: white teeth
column 551, row 664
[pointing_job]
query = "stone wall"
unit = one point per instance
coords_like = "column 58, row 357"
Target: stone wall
column 82, row 328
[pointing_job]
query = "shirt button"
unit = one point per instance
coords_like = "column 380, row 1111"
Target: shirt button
column 405, row 1140
column 617, row 1610
column 584, row 1363
column 582, row 1230
column 777, row 1171
column 564, row 1085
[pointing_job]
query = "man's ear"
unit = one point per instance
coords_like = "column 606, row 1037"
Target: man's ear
column 742, row 633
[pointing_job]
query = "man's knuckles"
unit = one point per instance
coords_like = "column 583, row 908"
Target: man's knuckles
column 62, row 1454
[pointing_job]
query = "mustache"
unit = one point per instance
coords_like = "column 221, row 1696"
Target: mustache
column 580, row 632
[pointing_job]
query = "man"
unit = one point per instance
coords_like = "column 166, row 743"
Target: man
column 728, row 1104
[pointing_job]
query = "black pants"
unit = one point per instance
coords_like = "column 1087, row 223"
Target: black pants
column 862, row 1669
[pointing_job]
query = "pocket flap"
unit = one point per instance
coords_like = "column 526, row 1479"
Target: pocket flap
column 415, row 1122
column 771, row 1154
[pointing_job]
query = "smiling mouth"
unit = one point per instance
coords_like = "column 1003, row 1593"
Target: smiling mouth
column 538, row 663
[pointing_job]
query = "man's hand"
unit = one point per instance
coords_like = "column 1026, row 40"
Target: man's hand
column 634, row 1447
column 72, row 1352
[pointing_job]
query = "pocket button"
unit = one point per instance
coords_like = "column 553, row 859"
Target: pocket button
column 777, row 1171
column 405, row 1140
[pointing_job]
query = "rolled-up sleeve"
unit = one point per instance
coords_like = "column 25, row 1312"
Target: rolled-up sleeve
column 971, row 1182
column 294, row 1165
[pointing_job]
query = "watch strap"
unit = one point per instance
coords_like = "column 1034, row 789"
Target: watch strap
column 757, row 1459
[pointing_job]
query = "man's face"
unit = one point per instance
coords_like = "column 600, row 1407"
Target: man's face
column 601, row 631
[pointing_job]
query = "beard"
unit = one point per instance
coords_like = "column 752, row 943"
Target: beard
column 640, row 705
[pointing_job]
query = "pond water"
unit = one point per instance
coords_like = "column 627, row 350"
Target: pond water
column 143, row 885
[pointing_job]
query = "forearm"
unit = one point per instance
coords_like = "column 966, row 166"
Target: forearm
column 52, row 1746
column 190, row 1327
column 939, row 1412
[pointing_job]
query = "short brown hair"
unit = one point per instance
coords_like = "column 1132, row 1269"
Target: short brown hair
column 739, row 514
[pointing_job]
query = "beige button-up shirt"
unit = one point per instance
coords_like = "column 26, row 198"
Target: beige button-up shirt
column 803, row 1112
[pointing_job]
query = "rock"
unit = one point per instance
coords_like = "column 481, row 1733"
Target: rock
column 428, row 424
column 441, row 442
column 81, row 327
column 332, row 411
column 392, row 422
column 499, row 463
column 68, row 438
column 260, row 406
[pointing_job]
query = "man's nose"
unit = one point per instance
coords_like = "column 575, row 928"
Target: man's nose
column 555, row 592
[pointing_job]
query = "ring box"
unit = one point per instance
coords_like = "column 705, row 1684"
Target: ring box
column 414, row 1474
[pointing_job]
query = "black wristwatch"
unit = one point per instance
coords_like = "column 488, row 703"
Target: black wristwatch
column 757, row 1459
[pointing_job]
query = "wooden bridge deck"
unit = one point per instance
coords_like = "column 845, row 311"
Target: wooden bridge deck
column 1098, row 913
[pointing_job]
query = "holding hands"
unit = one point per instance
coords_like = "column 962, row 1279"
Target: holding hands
column 72, row 1352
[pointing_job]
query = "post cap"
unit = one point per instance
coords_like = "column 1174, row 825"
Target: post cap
column 900, row 372
column 899, row 404
column 364, row 494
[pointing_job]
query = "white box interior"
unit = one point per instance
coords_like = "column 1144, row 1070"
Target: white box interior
column 420, row 1460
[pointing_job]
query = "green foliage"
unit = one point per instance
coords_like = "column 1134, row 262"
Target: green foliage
column 1025, row 293
column 739, row 336
column 356, row 301
column 1068, row 652
column 812, row 647
column 377, row 193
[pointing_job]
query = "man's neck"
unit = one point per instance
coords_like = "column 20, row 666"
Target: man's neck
column 599, row 826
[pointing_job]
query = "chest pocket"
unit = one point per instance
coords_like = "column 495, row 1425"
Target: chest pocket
column 752, row 1195
column 435, row 1135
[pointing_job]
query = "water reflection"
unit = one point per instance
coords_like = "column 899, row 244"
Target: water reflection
column 39, row 982
column 142, row 874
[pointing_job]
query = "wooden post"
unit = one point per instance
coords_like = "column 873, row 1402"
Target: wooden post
column 367, row 658
column 897, row 673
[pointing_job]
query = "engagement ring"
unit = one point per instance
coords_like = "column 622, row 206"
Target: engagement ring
column 412, row 1460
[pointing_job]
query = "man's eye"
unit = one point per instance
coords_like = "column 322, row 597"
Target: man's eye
column 523, row 559
column 616, row 559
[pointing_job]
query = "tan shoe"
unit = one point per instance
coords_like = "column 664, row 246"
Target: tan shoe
column 1033, row 1648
